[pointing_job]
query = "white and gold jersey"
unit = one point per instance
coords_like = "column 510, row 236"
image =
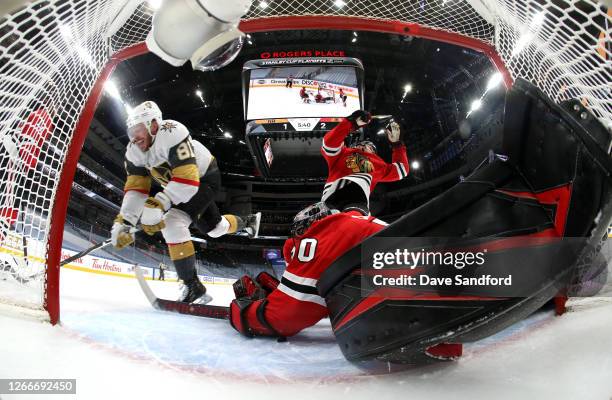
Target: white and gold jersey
column 174, row 160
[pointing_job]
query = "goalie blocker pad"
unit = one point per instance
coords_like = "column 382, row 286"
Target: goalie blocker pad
column 555, row 184
column 251, row 298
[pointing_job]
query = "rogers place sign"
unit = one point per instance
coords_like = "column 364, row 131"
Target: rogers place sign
column 303, row 53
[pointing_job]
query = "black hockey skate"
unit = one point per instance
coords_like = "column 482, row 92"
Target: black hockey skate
column 194, row 292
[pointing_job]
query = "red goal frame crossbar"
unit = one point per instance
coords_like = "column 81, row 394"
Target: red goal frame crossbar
column 62, row 197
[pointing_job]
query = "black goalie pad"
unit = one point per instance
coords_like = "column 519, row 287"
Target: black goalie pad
column 556, row 183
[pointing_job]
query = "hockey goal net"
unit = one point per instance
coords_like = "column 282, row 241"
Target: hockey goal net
column 55, row 56
column 327, row 93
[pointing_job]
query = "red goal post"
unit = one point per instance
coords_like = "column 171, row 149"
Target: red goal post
column 73, row 64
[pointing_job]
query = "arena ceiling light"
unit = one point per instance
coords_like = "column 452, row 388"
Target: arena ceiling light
column 227, row 135
column 200, row 95
column 68, row 35
column 530, row 34
column 494, row 81
column 66, row 32
column 155, row 4
column 538, row 19
column 407, row 89
column 415, row 165
column 263, row 5
column 339, row 3
column 476, row 104
column 85, row 56
column 112, row 90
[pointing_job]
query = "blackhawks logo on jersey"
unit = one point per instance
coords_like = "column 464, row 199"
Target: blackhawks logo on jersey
column 359, row 163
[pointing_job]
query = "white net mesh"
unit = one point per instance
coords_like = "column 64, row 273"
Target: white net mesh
column 449, row 15
column 562, row 47
column 50, row 55
column 52, row 52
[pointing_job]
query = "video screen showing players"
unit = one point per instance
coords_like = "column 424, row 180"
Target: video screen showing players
column 303, row 92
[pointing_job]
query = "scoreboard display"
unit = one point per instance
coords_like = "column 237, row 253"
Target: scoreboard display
column 289, row 105
column 297, row 124
column 289, row 147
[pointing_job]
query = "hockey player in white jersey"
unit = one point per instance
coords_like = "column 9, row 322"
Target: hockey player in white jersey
column 163, row 150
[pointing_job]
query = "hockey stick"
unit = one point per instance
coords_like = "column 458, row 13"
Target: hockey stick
column 104, row 244
column 85, row 252
column 24, row 240
column 92, row 248
column 198, row 310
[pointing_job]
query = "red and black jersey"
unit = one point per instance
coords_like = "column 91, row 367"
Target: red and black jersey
column 354, row 165
column 34, row 132
column 295, row 304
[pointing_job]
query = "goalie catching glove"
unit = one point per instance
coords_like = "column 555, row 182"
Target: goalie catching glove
column 252, row 293
column 122, row 234
column 153, row 213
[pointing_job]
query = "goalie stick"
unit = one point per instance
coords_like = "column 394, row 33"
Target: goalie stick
column 198, row 310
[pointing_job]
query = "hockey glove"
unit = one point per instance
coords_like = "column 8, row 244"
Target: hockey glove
column 245, row 287
column 153, row 213
column 359, row 118
column 393, row 132
column 249, row 294
column 267, row 281
column 121, row 234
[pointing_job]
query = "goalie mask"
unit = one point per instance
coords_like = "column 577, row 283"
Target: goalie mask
column 309, row 216
column 145, row 113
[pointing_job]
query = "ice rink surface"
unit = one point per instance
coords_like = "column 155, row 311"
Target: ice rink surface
column 118, row 347
column 281, row 102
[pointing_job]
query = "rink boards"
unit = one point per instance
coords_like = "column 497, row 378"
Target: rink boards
column 12, row 252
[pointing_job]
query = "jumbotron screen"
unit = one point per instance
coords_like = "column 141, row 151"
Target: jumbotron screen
column 291, row 103
column 302, row 92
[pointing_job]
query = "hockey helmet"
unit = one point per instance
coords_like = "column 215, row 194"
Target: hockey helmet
column 364, row 144
column 308, row 216
column 144, row 113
